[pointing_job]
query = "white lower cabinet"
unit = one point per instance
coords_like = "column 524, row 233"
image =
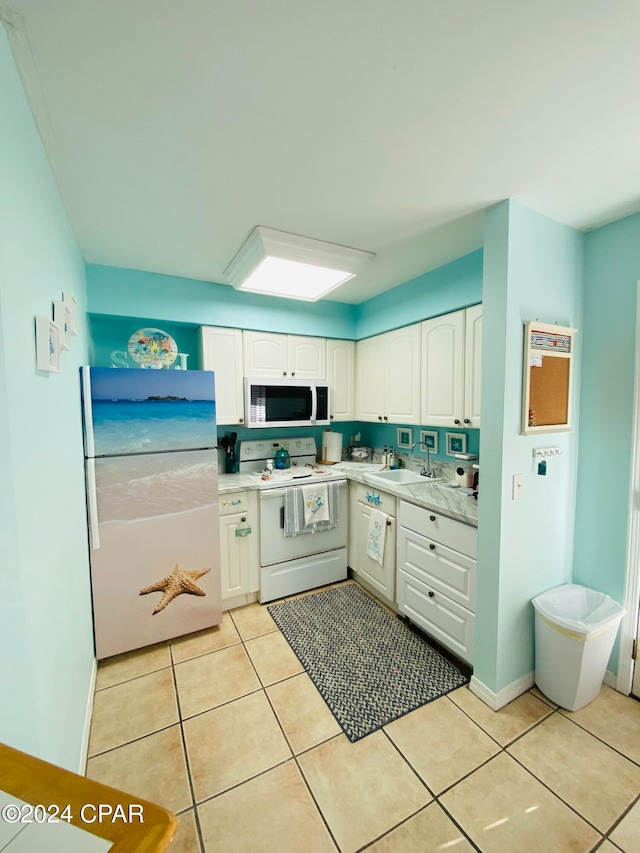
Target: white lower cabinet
column 436, row 577
column 380, row 578
column 239, row 551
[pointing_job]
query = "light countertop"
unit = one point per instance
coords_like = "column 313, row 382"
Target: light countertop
column 430, row 495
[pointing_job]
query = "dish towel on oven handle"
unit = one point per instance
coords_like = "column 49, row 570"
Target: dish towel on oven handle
column 294, row 509
column 376, row 535
column 316, row 503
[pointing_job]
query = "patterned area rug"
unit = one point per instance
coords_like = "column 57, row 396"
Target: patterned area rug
column 368, row 666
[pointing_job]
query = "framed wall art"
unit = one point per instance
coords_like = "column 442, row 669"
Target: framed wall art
column 456, row 443
column 62, row 319
column 430, row 438
column 71, row 302
column 47, row 345
column 405, row 437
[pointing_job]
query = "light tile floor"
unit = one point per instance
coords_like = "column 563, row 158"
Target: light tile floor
column 225, row 729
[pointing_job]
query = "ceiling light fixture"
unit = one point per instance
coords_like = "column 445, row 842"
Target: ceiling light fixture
column 280, row 264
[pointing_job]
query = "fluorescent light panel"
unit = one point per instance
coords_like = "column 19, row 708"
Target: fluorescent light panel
column 280, row 264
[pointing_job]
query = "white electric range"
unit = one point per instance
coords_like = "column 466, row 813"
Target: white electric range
column 291, row 564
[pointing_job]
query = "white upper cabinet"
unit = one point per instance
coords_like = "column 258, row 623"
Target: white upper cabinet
column 265, row 354
column 402, row 375
column 451, row 365
column 472, row 366
column 341, row 360
column 388, row 377
column 443, row 370
column 221, row 351
column 307, row 357
column 275, row 356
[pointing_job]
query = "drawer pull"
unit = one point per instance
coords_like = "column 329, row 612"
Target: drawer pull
column 431, row 593
column 432, row 547
column 432, row 518
column 244, row 518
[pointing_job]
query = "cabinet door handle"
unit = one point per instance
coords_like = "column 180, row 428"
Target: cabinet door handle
column 467, row 421
column 457, row 421
column 388, row 523
column 284, row 372
column 282, row 518
column 293, row 373
column 379, row 417
column 432, row 547
column 330, row 417
column 432, row 518
column 431, row 593
column 244, row 518
column 241, row 420
column 386, row 418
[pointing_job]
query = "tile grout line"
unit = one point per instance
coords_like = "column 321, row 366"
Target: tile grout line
column 196, row 816
column 292, row 757
column 436, row 797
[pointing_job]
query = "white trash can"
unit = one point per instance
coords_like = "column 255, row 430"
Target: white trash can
column 575, row 631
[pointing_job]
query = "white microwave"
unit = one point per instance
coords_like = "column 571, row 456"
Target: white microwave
column 283, row 403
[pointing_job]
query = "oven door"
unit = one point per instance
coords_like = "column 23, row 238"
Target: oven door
column 276, row 548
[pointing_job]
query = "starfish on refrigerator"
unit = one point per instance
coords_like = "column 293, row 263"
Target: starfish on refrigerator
column 180, row 580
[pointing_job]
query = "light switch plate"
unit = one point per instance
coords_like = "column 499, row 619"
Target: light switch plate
column 518, row 486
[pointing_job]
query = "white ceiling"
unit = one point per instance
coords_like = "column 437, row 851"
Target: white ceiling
column 176, row 126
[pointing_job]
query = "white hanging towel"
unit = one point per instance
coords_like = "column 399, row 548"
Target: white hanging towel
column 375, row 536
column 315, row 498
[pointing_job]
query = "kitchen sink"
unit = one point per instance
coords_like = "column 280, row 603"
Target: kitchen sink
column 402, row 477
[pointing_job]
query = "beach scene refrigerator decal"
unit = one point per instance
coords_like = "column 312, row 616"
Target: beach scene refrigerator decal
column 152, row 499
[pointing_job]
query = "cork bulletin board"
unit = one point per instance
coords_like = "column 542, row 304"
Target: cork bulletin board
column 546, row 387
column 549, row 391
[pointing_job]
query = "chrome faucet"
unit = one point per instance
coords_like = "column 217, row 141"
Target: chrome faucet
column 425, row 471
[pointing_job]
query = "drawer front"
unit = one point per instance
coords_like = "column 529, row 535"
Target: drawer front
column 461, row 537
column 441, row 568
column 233, row 502
column 375, row 498
column 441, row 618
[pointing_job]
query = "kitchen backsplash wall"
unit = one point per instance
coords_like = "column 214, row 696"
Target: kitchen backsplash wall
column 377, row 435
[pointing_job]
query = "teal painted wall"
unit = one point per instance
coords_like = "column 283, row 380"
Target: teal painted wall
column 128, row 294
column 133, row 293
column 448, row 288
column 45, row 606
column 533, row 270
column 612, row 270
column 110, row 336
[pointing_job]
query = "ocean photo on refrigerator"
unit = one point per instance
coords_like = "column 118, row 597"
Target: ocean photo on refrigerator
column 151, row 411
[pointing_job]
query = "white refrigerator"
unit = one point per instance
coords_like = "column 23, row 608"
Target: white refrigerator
column 152, row 504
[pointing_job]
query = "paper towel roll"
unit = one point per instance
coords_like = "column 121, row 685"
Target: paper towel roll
column 331, row 446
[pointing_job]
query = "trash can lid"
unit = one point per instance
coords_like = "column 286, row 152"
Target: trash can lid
column 578, row 608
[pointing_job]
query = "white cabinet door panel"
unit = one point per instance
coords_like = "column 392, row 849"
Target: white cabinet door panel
column 472, row 366
column 341, row 359
column 370, row 382
column 265, row 355
column 402, row 392
column 221, row 351
column 442, row 381
column 307, row 357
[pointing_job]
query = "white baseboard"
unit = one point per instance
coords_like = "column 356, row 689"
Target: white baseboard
column 498, row 700
column 610, row 680
column 239, row 600
column 82, row 769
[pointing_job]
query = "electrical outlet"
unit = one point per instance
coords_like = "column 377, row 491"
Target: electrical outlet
column 518, row 486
